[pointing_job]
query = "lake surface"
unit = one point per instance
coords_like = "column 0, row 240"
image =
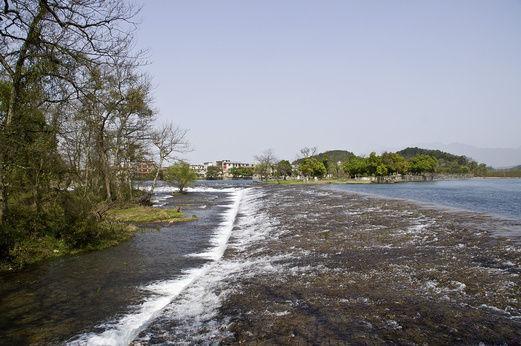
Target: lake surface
column 500, row 197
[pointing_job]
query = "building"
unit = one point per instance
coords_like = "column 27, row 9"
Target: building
column 145, row 168
column 200, row 170
column 208, row 164
column 223, row 165
column 226, row 165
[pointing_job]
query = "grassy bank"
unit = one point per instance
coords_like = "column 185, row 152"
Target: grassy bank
column 35, row 250
column 144, row 215
column 119, row 224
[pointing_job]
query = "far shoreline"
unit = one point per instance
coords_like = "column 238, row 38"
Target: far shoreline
column 434, row 205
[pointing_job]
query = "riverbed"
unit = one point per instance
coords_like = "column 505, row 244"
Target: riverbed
column 281, row 264
column 335, row 267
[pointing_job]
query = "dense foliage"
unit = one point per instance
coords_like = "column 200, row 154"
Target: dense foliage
column 181, row 175
column 312, row 167
column 75, row 119
column 447, row 163
column 333, row 156
column 283, row 169
column 241, row 172
column 213, row 173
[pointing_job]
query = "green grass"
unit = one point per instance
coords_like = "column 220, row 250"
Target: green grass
column 35, row 250
column 118, row 226
column 140, row 215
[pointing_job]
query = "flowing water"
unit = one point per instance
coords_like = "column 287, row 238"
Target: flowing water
column 246, row 268
column 501, row 197
column 107, row 297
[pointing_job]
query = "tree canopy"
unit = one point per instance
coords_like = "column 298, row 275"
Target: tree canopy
column 312, row 167
column 284, row 169
column 180, row 174
column 241, row 172
column 76, row 118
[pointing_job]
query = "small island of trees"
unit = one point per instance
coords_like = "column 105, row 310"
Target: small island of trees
column 414, row 163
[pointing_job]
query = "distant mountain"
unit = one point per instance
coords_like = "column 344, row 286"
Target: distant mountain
column 333, row 155
column 495, row 157
column 512, row 168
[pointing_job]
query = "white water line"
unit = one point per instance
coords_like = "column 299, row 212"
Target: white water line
column 126, row 329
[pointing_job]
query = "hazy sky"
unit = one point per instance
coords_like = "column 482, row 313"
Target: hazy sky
column 245, row 76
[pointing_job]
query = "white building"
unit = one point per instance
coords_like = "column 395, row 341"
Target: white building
column 199, row 169
column 223, row 165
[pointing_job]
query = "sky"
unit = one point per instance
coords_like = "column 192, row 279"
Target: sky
column 246, row 76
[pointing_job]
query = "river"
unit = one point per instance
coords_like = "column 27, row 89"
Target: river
column 500, row 197
column 287, row 264
column 108, row 296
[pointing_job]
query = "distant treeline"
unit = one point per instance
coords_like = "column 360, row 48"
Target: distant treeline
column 514, row 172
column 414, row 161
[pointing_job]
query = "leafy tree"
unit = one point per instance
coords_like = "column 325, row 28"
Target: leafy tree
column 235, row 172
column 356, row 166
column 373, row 161
column 312, row 167
column 325, row 161
column 213, row 173
column 75, row 118
column 381, row 170
column 446, row 162
column 422, row 163
column 246, row 171
column 241, row 172
column 284, row 169
column 181, row 175
column 395, row 163
column 331, row 155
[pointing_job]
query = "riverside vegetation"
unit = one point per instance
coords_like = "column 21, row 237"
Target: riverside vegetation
column 75, row 119
column 344, row 166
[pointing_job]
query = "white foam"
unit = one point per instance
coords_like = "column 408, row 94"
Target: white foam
column 125, row 329
column 171, row 189
column 220, row 238
column 192, row 317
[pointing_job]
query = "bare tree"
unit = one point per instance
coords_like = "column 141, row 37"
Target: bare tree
column 308, row 152
column 105, row 129
column 168, row 141
column 58, row 37
column 51, row 46
column 265, row 163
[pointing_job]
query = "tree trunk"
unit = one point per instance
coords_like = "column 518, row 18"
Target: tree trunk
column 105, row 167
column 106, row 178
column 16, row 77
column 5, row 205
column 32, row 38
column 154, row 183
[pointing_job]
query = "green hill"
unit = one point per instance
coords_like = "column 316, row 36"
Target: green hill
column 447, row 163
column 410, row 152
column 332, row 156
